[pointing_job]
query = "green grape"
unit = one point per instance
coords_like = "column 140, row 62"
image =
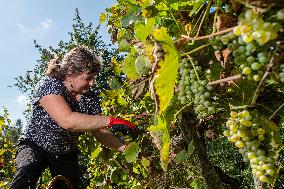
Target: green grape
column 183, row 100
column 237, row 30
column 262, row 59
column 256, row 78
column 250, row 59
column 255, row 66
column 247, row 70
column 280, row 14
column 247, row 38
column 241, row 49
column 250, row 47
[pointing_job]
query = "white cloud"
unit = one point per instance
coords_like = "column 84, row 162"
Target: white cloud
column 37, row 30
column 45, row 25
column 22, row 100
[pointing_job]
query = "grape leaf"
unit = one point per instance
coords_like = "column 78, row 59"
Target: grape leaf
column 142, row 65
column 131, row 16
column 103, row 18
column 95, row 153
column 167, row 72
column 128, row 67
column 143, row 31
column 131, row 152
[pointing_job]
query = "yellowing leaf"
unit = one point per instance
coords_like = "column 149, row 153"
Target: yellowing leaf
column 103, row 18
column 167, row 72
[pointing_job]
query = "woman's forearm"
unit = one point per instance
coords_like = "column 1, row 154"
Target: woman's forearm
column 109, row 140
column 83, row 122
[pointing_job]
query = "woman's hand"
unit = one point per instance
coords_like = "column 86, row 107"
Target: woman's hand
column 123, row 126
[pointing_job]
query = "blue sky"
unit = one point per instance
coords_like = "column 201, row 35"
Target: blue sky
column 47, row 21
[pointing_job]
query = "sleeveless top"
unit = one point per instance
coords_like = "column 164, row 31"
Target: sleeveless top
column 42, row 130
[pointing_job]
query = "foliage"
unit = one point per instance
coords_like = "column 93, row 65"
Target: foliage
column 173, row 51
column 9, row 134
column 234, row 48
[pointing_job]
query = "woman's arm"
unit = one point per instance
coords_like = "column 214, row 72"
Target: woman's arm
column 109, row 140
column 61, row 113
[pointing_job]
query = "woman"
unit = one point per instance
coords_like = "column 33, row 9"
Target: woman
column 63, row 108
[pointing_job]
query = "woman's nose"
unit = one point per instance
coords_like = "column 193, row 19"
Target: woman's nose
column 92, row 82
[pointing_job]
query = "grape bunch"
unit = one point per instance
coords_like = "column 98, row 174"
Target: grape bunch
column 251, row 60
column 281, row 74
column 252, row 27
column 193, row 89
column 249, row 138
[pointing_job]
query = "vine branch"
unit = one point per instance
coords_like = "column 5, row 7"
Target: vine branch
column 195, row 50
column 269, row 69
column 276, row 111
column 235, row 77
column 208, row 36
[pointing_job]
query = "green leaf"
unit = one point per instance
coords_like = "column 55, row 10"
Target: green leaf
column 197, row 184
column 145, row 162
column 184, row 154
column 167, row 73
column 128, row 67
column 131, row 152
column 142, row 65
column 131, row 17
column 2, row 122
column 123, row 45
column 95, row 153
column 103, row 18
column 2, row 151
column 196, row 6
column 143, row 31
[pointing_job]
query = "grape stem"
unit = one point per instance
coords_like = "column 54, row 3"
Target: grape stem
column 276, row 111
column 192, row 63
column 231, row 78
column 269, row 69
column 208, row 36
column 204, row 16
column 195, row 50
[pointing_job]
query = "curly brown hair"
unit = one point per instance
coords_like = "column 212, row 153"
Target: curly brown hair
column 78, row 60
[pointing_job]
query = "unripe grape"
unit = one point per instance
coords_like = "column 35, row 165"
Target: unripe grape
column 247, row 70
column 256, row 78
column 260, row 131
column 226, row 133
column 247, row 38
column 265, row 167
column 234, row 138
column 261, row 138
column 254, row 160
column 263, row 178
column 280, row 14
column 255, row 66
column 237, row 30
column 239, row 144
column 270, row 172
column 251, row 155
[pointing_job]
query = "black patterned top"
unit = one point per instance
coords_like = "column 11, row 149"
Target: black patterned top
column 43, row 130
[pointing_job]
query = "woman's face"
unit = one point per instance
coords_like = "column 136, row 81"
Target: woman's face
column 81, row 84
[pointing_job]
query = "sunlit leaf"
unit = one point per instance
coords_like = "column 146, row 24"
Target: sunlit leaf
column 167, row 72
column 103, row 18
column 143, row 31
